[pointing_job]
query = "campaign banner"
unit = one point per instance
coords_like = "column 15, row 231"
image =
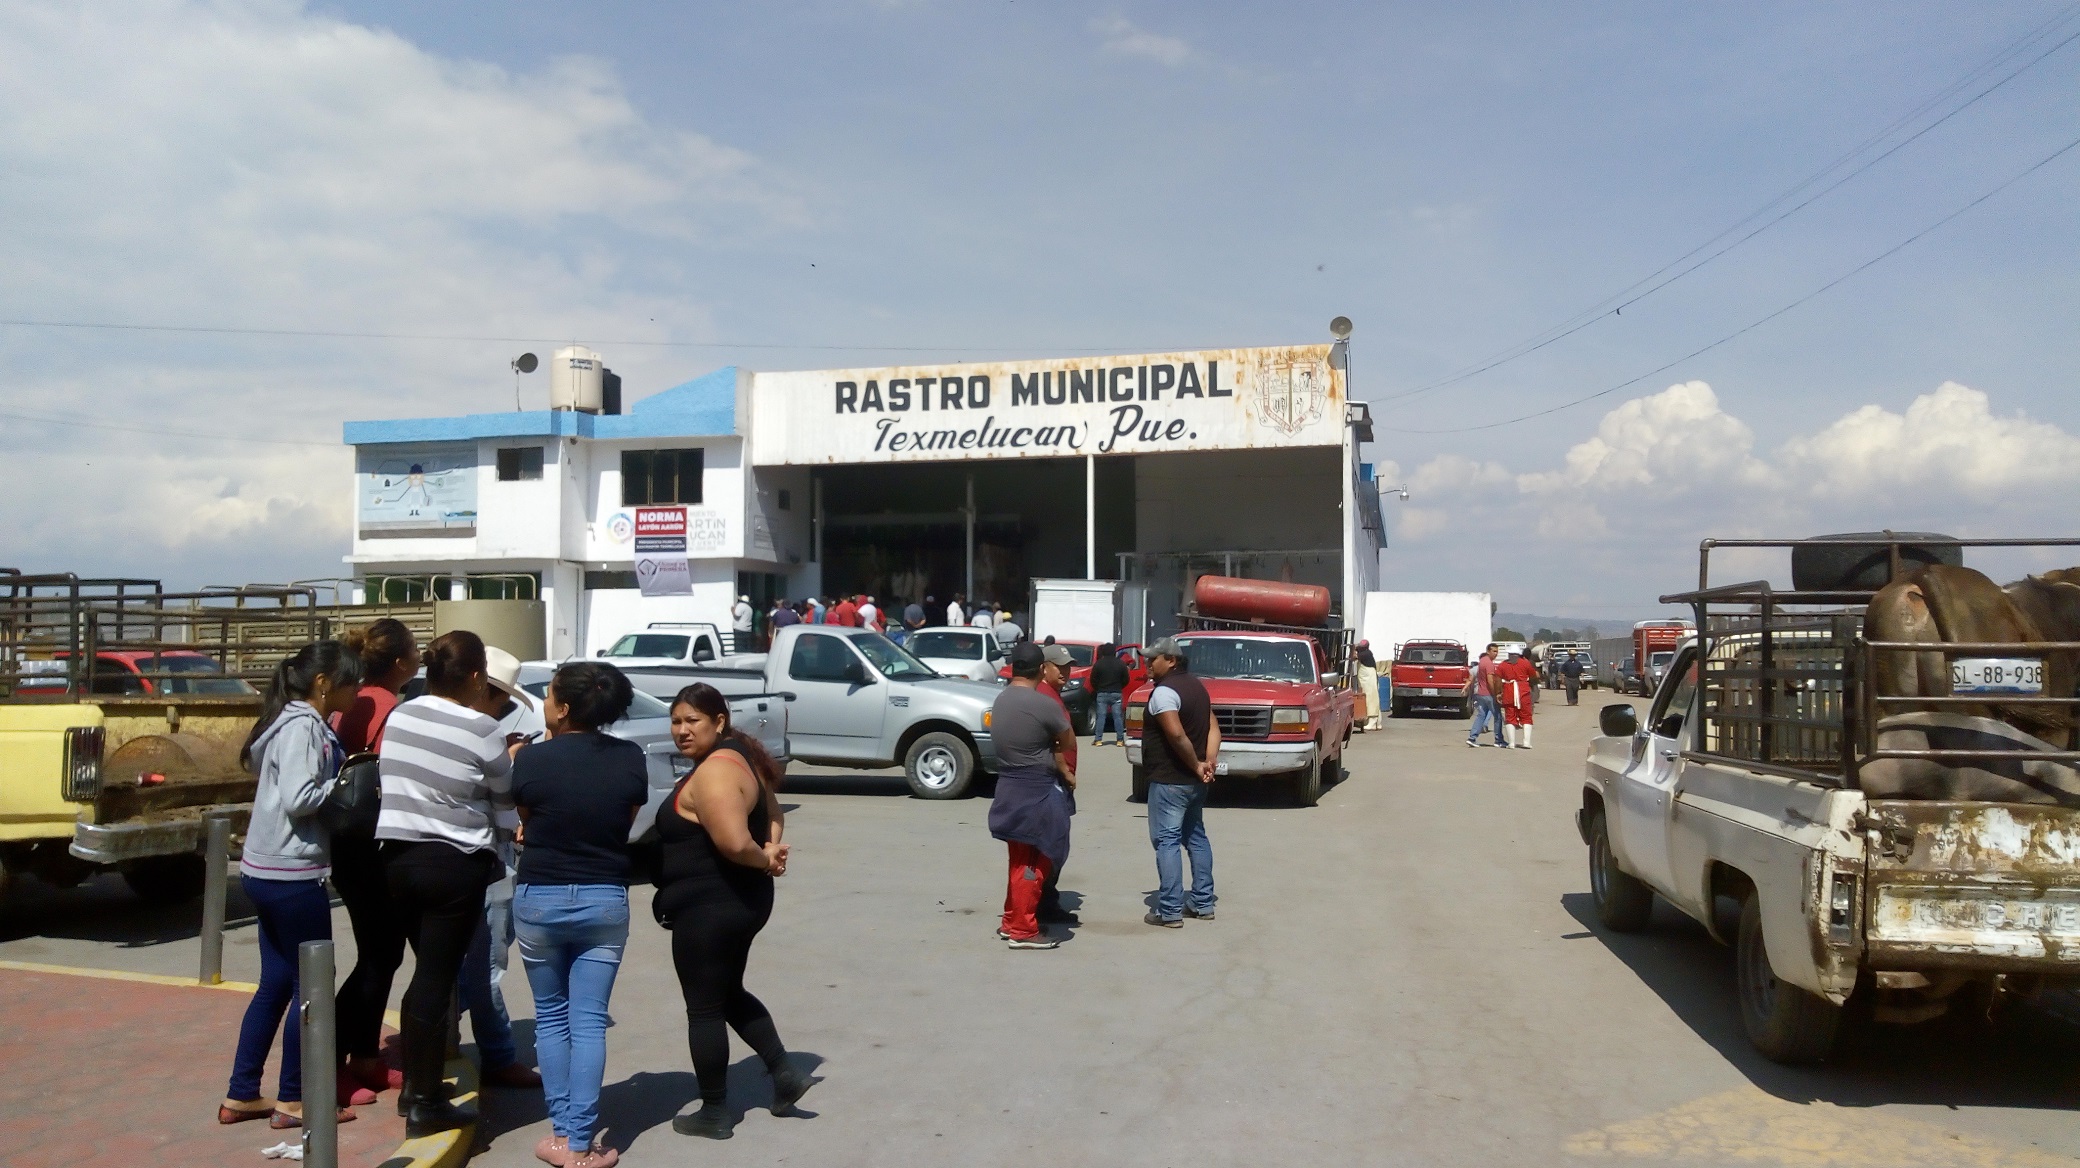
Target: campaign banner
column 661, row 568
column 1214, row 399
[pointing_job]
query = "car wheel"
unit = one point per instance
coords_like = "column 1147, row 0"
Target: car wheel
column 1306, row 783
column 939, row 765
column 1139, row 791
column 1785, row 1023
column 1400, row 709
column 1623, row 903
column 165, row 879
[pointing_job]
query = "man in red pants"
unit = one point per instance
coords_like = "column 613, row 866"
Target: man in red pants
column 1030, row 812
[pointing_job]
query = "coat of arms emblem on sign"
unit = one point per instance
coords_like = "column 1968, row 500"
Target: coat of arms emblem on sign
column 1291, row 391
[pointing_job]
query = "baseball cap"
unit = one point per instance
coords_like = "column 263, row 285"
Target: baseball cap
column 1167, row 647
column 1056, row 655
column 1026, row 659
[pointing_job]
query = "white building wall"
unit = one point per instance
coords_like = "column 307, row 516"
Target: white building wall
column 607, row 613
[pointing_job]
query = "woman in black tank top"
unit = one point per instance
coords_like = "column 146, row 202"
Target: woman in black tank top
column 720, row 832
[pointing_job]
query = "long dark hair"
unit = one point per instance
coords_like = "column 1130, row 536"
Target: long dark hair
column 293, row 681
column 708, row 700
column 381, row 645
column 593, row 693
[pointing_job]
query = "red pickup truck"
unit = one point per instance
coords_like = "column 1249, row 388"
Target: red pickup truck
column 1429, row 675
column 1282, row 710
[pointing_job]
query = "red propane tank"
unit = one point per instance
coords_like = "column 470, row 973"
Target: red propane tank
column 1229, row 598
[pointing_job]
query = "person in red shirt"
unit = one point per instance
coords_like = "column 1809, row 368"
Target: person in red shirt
column 1517, row 690
column 847, row 613
column 1481, row 685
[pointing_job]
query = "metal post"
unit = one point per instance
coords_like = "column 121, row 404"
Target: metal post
column 216, row 848
column 1090, row 516
column 968, row 519
column 817, row 553
column 320, row 1056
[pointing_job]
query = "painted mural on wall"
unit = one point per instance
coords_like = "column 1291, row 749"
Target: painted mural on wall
column 1216, row 399
column 427, row 492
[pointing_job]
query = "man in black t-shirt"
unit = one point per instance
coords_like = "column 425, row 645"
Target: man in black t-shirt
column 1108, row 682
column 1179, row 744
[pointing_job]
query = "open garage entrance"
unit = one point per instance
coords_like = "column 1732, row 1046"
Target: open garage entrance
column 903, row 531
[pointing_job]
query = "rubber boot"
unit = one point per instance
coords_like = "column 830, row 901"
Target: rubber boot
column 712, row 1121
column 424, row 1100
column 1525, row 732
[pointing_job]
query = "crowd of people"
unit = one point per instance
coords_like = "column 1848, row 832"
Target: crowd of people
column 1504, row 693
column 863, row 611
column 488, row 818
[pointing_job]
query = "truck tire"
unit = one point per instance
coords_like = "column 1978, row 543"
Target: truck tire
column 1623, row 903
column 1138, row 792
column 939, row 765
column 1306, row 784
column 1785, row 1023
column 1400, row 708
column 165, row 880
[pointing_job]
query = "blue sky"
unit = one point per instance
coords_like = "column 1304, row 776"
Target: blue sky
column 1030, row 179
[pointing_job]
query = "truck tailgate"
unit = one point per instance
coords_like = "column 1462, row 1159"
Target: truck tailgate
column 1989, row 886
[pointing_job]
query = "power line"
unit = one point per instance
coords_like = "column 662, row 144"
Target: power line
column 1616, row 303
column 1753, row 325
column 537, row 340
column 160, row 432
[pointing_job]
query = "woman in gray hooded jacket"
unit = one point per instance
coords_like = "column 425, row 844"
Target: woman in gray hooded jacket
column 295, row 756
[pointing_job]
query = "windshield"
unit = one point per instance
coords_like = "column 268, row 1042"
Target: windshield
column 1081, row 656
column 1659, row 660
column 194, row 675
column 1249, row 658
column 964, row 646
column 643, row 705
column 1444, row 655
column 892, row 661
column 649, row 645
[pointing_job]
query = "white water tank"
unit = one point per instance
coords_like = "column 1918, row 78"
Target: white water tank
column 574, row 379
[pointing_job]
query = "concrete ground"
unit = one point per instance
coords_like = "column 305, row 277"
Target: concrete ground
column 1407, row 974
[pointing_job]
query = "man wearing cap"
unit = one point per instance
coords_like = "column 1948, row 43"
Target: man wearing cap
column 1054, row 674
column 1031, row 810
column 1179, row 743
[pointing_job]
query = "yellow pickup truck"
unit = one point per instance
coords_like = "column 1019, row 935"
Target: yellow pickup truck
column 122, row 710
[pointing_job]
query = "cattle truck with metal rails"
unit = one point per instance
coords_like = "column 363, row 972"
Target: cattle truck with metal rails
column 122, row 711
column 1766, row 779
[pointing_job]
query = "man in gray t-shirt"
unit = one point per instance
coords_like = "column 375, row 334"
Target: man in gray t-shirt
column 1026, row 724
column 1030, row 812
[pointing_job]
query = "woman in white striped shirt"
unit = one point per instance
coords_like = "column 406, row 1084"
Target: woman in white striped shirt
column 446, row 773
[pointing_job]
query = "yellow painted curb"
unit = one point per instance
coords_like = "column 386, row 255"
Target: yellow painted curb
column 240, row 987
column 448, row 1149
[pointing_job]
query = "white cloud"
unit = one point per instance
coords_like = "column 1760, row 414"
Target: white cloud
column 1622, row 513
column 1122, row 36
column 250, row 163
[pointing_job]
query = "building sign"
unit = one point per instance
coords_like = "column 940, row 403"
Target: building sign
column 417, row 492
column 661, row 568
column 707, row 532
column 1216, row 399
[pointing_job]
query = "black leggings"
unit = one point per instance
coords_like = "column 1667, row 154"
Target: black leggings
column 713, row 925
column 438, row 892
column 357, row 875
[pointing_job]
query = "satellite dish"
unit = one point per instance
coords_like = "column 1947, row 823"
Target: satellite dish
column 1340, row 328
column 526, row 363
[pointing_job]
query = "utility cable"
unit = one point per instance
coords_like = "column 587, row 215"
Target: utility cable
column 1646, row 286
column 1753, row 325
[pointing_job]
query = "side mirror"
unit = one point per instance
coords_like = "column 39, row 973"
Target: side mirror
column 1332, row 678
column 599, row 653
column 1618, row 721
column 701, row 652
column 855, row 673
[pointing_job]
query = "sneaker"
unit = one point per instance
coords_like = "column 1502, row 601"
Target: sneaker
column 1471, row 742
column 1163, row 923
column 1037, row 941
column 1196, row 915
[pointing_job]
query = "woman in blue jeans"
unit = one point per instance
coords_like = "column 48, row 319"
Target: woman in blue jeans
column 295, row 756
column 578, row 792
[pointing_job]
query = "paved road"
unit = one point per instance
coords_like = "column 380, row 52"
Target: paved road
column 1405, row 975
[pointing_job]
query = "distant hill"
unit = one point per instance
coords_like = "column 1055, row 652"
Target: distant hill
column 1529, row 623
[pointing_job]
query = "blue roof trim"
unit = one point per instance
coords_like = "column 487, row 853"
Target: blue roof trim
column 705, row 407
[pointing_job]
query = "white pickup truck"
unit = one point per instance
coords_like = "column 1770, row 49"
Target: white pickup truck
column 668, row 643
column 856, row 699
column 1741, row 787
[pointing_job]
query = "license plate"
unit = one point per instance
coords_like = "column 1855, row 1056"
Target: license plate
column 1996, row 675
column 1429, row 693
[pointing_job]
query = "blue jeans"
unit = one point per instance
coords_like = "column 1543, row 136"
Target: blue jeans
column 1177, row 819
column 291, row 912
column 1485, row 711
column 571, row 938
column 482, row 969
column 1111, row 707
